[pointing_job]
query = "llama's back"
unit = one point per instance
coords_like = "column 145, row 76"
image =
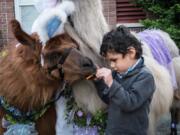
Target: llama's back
column 171, row 45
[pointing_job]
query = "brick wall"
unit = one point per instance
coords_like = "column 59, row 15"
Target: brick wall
column 110, row 11
column 7, row 13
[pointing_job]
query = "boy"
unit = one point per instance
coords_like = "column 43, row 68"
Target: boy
column 129, row 88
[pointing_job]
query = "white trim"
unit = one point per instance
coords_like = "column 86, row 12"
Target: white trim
column 130, row 24
column 27, row 2
column 17, row 10
column 18, row 4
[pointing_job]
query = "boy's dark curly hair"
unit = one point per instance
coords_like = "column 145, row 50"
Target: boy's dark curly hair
column 119, row 40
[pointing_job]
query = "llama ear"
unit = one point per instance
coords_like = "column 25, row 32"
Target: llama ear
column 22, row 36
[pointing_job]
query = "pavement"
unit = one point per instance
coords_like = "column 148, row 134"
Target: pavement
column 163, row 127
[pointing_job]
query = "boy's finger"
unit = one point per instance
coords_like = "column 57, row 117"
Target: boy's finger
column 97, row 66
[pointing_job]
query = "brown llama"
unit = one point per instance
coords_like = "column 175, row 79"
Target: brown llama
column 27, row 86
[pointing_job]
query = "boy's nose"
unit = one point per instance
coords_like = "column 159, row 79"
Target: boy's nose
column 112, row 64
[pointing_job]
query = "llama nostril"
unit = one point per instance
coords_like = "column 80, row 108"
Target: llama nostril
column 87, row 63
column 45, row 66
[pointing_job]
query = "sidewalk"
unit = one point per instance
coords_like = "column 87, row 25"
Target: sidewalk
column 163, row 127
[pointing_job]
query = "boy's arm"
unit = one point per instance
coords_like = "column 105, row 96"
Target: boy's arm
column 141, row 91
column 102, row 90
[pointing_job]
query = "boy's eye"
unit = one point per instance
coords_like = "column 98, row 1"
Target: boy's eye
column 113, row 60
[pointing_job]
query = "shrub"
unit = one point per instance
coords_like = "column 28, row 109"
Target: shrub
column 162, row 14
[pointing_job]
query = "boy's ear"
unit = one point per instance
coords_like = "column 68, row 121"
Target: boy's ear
column 132, row 52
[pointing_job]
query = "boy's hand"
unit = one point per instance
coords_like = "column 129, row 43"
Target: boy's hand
column 106, row 75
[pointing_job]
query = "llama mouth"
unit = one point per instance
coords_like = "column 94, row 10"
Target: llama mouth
column 91, row 77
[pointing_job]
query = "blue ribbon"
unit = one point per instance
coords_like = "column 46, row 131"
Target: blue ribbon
column 14, row 115
column 21, row 129
column 53, row 25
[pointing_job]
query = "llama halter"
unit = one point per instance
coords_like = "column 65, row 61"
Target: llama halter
column 60, row 63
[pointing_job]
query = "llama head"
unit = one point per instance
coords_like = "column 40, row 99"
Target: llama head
column 62, row 53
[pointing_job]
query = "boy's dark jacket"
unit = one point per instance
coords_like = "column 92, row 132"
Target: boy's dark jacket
column 129, row 100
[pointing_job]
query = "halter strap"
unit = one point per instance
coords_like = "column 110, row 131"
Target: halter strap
column 60, row 63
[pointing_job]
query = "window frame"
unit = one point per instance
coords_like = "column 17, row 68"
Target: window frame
column 18, row 4
column 128, row 24
column 131, row 25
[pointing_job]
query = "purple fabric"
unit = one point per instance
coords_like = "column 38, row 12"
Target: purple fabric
column 79, row 113
column 85, row 130
column 159, row 50
column 156, row 43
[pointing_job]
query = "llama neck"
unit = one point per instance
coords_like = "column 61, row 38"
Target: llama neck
column 25, row 88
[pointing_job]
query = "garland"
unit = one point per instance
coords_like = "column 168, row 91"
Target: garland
column 14, row 115
column 76, row 115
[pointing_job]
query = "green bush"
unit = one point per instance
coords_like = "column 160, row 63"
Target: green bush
column 162, row 14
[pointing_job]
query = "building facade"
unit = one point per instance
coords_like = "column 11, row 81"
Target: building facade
column 115, row 11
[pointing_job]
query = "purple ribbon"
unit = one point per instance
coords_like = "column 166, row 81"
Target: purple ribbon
column 159, row 51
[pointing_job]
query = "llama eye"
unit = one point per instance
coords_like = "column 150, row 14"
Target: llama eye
column 37, row 61
column 56, row 55
column 53, row 56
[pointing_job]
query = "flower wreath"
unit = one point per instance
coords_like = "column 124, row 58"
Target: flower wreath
column 83, row 119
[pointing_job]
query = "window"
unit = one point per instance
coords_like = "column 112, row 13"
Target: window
column 26, row 13
column 128, row 13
